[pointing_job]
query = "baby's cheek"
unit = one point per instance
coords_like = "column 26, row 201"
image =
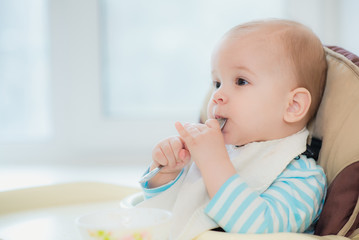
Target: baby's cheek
column 210, row 109
column 227, row 138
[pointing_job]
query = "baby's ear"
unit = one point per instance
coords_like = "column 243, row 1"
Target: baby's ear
column 298, row 104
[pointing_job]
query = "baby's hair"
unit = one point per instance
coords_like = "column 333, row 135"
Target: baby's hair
column 305, row 54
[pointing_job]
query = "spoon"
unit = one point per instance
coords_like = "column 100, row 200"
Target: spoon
column 151, row 174
column 222, row 122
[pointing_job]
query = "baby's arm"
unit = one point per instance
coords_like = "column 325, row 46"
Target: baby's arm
column 291, row 204
column 171, row 154
column 206, row 144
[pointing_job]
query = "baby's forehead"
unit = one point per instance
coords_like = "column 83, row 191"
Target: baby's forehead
column 266, row 43
column 270, row 32
column 267, row 39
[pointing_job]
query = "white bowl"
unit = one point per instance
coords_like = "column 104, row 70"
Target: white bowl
column 126, row 224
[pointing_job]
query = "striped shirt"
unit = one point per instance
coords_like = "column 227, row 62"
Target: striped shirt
column 291, row 204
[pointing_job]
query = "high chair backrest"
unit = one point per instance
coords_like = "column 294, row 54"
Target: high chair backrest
column 337, row 125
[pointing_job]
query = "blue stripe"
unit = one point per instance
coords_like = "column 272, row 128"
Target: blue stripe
column 237, row 191
column 265, row 226
column 294, row 205
column 322, row 185
column 292, row 168
column 310, row 202
column 303, row 195
column 228, row 227
column 268, row 221
column 302, row 164
column 254, row 216
column 314, row 189
column 271, row 202
column 219, row 193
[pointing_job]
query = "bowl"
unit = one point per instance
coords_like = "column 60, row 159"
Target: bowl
column 126, row 224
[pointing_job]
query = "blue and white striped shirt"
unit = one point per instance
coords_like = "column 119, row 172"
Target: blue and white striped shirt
column 291, row 203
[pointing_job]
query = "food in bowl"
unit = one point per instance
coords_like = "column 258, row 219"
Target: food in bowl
column 126, row 224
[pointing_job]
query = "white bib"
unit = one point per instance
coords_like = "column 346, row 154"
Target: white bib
column 258, row 164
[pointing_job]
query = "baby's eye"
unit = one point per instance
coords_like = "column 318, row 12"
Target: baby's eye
column 241, row 82
column 216, row 84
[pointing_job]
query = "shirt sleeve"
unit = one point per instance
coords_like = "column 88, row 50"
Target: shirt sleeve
column 152, row 192
column 291, row 204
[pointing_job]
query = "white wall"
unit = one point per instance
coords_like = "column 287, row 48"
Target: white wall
column 81, row 132
column 349, row 30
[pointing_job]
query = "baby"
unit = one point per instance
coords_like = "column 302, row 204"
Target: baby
column 251, row 176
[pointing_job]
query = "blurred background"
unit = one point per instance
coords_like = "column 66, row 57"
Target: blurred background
column 88, row 87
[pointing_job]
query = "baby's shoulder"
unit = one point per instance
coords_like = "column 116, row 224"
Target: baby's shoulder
column 302, row 166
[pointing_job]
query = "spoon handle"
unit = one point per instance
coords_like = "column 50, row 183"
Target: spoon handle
column 151, row 174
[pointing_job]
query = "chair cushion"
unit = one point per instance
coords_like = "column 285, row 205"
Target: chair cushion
column 342, row 198
column 337, row 125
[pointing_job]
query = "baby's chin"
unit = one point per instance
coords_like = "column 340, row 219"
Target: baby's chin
column 228, row 141
column 234, row 142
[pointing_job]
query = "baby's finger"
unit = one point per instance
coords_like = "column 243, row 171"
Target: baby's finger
column 168, row 153
column 212, row 123
column 194, row 129
column 182, row 130
column 177, row 145
column 199, row 126
column 158, row 158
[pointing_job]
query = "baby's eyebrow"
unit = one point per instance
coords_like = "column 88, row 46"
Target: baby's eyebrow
column 246, row 69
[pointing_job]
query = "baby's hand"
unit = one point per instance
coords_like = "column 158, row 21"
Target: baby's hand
column 172, row 154
column 204, row 141
column 206, row 145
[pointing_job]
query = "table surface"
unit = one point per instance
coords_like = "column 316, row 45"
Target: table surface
column 53, row 223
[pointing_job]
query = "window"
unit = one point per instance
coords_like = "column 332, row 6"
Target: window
column 24, row 110
column 156, row 54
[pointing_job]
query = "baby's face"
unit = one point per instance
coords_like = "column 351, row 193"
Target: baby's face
column 252, row 84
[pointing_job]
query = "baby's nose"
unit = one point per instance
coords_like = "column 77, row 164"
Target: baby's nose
column 218, row 97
